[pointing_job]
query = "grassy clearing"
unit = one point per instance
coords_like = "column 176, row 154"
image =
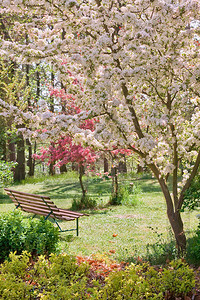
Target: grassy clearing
column 131, row 225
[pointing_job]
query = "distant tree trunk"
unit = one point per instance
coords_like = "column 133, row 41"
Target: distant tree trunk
column 2, row 139
column 139, row 169
column 52, row 98
column 31, row 160
column 115, row 182
column 74, row 166
column 81, row 173
column 63, row 169
column 114, row 174
column 122, row 165
column 11, row 151
column 105, row 164
column 3, row 150
column 37, row 84
column 19, row 172
column 51, row 169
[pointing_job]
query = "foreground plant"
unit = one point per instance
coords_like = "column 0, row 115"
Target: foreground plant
column 138, row 64
column 61, row 277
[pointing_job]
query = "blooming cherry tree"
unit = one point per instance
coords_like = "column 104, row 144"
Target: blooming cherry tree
column 138, row 64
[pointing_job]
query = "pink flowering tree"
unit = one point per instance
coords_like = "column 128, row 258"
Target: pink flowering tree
column 64, row 151
column 138, row 62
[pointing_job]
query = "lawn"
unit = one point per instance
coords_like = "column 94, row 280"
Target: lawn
column 122, row 232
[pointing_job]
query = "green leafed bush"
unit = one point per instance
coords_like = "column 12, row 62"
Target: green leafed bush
column 193, row 248
column 177, row 280
column 144, row 282
column 83, row 203
column 61, row 277
column 18, row 233
column 6, row 173
column 192, row 195
column 127, row 195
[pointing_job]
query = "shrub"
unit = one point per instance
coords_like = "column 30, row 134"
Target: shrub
column 131, row 194
column 192, row 195
column 127, row 195
column 177, row 280
column 18, row 233
column 61, row 277
column 41, row 237
column 83, row 203
column 162, row 250
column 145, row 282
column 193, row 248
column 115, row 199
column 6, row 173
column 12, row 234
column 13, row 272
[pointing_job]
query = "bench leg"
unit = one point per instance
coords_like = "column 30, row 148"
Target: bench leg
column 77, row 226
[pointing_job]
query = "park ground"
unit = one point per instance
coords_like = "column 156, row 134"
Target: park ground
column 124, row 232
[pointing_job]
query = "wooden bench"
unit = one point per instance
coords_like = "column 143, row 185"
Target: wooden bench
column 42, row 205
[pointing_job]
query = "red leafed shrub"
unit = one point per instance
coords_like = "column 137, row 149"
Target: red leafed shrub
column 100, row 265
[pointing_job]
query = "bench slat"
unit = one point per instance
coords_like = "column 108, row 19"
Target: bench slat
column 19, row 196
column 28, row 194
column 45, row 214
column 46, row 211
column 37, row 204
column 65, row 211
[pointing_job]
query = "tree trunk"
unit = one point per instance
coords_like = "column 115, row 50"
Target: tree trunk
column 3, row 151
column 105, row 164
column 63, row 169
column 19, row 173
column 122, row 165
column 139, row 169
column 31, row 160
column 175, row 220
column 11, row 151
column 81, row 173
column 74, row 166
column 37, row 84
column 51, row 169
column 177, row 227
column 115, row 185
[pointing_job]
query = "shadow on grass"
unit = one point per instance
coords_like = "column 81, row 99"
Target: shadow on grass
column 66, row 237
column 4, row 199
column 69, row 190
column 60, row 191
column 96, row 212
column 156, row 254
column 99, row 187
column 151, row 187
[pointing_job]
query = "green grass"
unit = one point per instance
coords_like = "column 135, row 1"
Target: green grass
column 131, row 224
